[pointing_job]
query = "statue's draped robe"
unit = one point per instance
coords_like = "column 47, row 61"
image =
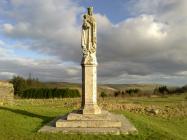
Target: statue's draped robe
column 88, row 39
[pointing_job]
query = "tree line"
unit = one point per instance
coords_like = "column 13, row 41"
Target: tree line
column 41, row 93
column 159, row 91
column 33, row 88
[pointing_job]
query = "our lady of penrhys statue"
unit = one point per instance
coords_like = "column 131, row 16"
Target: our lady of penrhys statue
column 88, row 38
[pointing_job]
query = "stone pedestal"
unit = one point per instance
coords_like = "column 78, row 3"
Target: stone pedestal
column 78, row 120
column 89, row 89
column 90, row 118
column 103, row 123
column 6, row 93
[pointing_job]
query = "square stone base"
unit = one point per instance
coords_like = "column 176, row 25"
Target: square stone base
column 77, row 115
column 104, row 123
column 78, row 120
column 89, row 109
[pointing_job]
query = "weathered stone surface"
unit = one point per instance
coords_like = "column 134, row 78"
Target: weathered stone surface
column 75, row 119
column 77, row 115
column 89, row 38
column 91, row 109
column 88, row 123
column 6, row 92
column 126, row 126
column 89, row 64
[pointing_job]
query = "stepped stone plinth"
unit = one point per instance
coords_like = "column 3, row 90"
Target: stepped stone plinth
column 6, row 93
column 102, row 120
column 104, row 123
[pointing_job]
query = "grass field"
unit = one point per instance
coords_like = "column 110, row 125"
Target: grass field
column 22, row 120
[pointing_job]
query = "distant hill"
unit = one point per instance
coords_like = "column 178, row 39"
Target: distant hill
column 143, row 87
column 107, row 88
column 64, row 85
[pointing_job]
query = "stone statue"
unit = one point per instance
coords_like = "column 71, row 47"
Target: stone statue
column 90, row 118
column 88, row 38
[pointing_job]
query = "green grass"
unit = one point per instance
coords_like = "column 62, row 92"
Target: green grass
column 22, row 120
column 157, row 128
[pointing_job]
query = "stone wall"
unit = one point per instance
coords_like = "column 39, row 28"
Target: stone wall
column 6, row 92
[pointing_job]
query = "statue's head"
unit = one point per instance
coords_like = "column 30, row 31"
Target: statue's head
column 90, row 11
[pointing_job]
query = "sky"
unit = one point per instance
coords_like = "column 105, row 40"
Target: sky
column 138, row 41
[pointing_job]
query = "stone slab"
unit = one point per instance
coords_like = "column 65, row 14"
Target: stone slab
column 126, row 127
column 89, row 109
column 76, row 115
column 6, row 93
column 87, row 123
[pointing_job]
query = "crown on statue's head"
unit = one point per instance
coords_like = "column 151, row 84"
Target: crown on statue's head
column 90, row 10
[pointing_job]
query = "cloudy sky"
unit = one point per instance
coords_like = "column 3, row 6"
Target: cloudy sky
column 139, row 41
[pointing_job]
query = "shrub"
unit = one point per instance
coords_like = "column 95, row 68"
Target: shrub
column 180, row 90
column 163, row 90
column 116, row 94
column 45, row 93
column 19, row 84
column 132, row 91
column 127, row 92
column 103, row 94
column 123, row 93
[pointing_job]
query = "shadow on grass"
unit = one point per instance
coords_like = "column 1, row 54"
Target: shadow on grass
column 45, row 119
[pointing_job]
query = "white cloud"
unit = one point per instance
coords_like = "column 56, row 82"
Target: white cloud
column 7, row 75
column 72, row 71
column 50, row 69
column 182, row 73
column 2, row 43
column 8, row 28
column 4, row 50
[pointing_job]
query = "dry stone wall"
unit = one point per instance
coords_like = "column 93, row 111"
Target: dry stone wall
column 6, row 92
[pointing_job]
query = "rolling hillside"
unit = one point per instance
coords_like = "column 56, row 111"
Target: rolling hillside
column 107, row 88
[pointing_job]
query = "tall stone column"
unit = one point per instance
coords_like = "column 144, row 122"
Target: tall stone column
column 89, row 89
column 89, row 64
